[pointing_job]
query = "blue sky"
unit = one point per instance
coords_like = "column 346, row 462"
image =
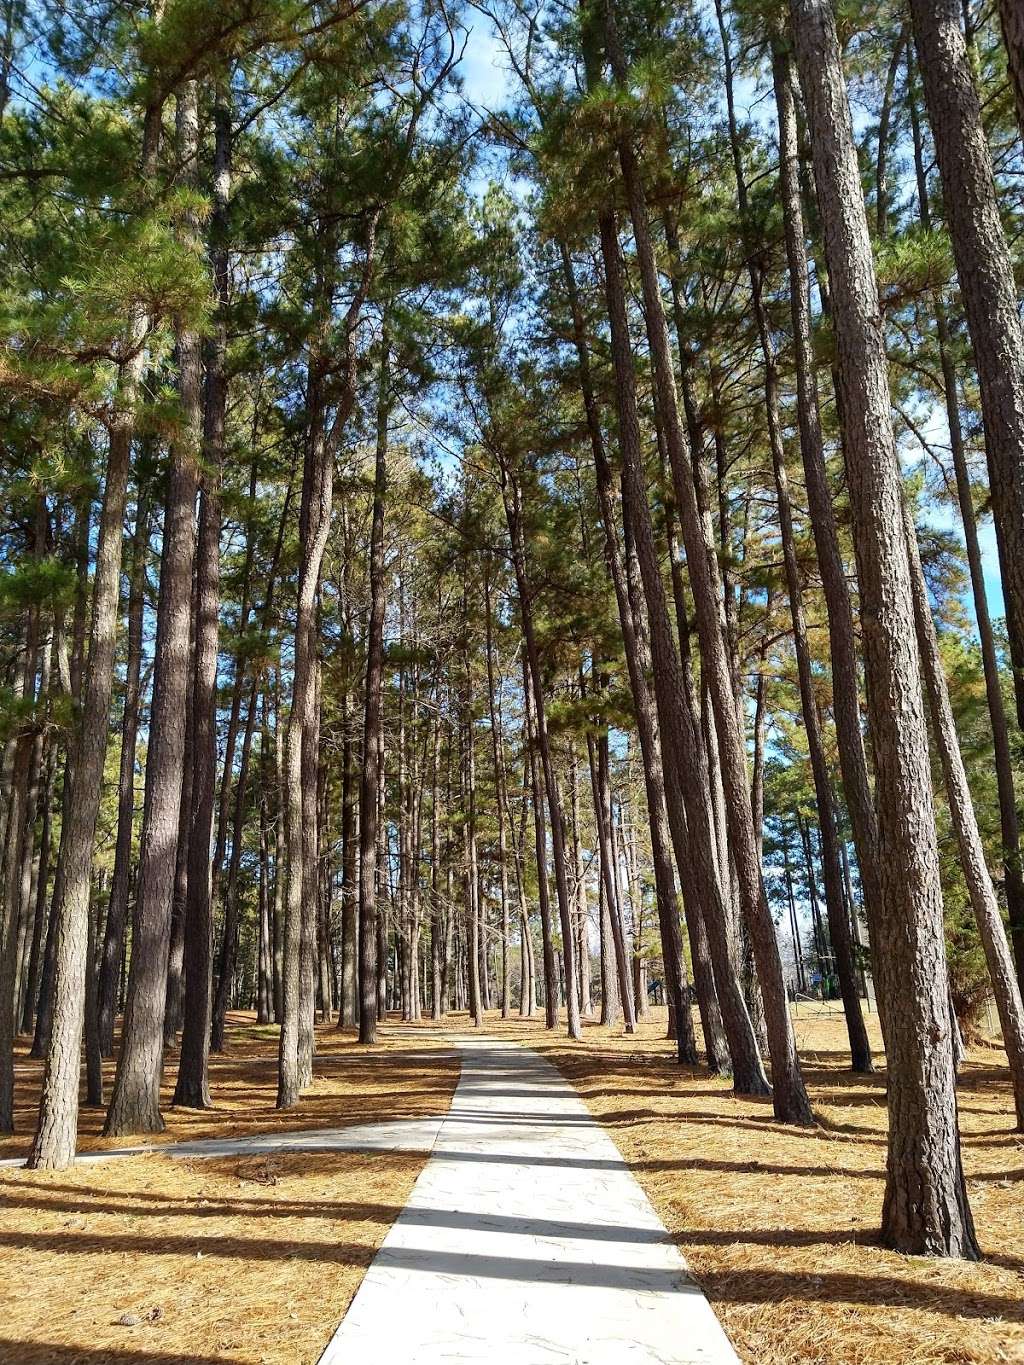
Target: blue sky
column 485, row 80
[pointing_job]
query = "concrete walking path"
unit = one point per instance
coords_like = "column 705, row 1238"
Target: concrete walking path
column 526, row 1241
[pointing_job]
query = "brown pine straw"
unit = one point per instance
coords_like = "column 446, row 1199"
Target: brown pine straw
column 142, row 1259
column 397, row 1078
column 778, row 1225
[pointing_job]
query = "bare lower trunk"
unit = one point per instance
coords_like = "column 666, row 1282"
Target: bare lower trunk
column 16, row 825
column 541, row 845
column 173, row 998
column 835, row 905
column 117, row 910
column 93, row 1055
column 370, row 968
column 512, row 497
column 135, row 1102
column 265, row 948
column 40, row 930
column 310, row 884
column 925, row 1208
column 54, row 1146
column 609, row 977
column 470, row 880
column 972, row 853
column 232, row 909
column 348, row 1013
column 598, row 751
column 499, row 782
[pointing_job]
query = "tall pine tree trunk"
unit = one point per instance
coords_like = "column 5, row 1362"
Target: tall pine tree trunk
column 348, row 1013
column 985, row 275
column 1013, row 874
column 193, row 1087
column 688, row 786
column 294, row 1054
column 512, row 497
column 135, row 1102
column 370, row 968
column 925, row 1208
column 841, row 634
column 839, row 929
column 650, row 746
column 972, row 853
column 597, row 748
column 499, row 785
column 789, row 1096
column 54, row 1144
column 541, row 845
column 117, row 910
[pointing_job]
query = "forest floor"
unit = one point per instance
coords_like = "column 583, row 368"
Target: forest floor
column 221, row 1261
column 399, row 1078
column 255, row 1260
column 779, row 1225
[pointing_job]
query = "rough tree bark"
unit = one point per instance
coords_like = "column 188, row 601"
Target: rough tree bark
column 841, row 633
column 686, row 771
column 117, row 909
column 135, row 1101
column 541, row 846
column 985, row 274
column 839, row 928
column 369, row 782
column 1009, row 821
column 925, row 1208
column 512, row 498
column 499, row 784
column 645, row 706
column 972, row 852
column 789, row 1096
column 315, row 523
column 192, row 1089
column 54, row 1144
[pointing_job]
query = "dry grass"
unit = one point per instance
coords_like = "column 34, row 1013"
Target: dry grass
column 778, row 1224
column 237, row 1260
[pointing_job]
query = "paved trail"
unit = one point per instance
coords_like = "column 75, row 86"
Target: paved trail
column 526, row 1241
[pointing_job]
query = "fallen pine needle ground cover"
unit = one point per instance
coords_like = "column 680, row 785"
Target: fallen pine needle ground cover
column 238, row 1262
column 234, row 1261
column 398, row 1078
column 779, row 1225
